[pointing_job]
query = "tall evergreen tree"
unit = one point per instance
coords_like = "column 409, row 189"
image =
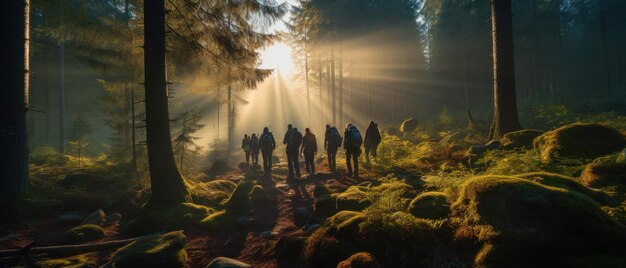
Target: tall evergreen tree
column 14, row 102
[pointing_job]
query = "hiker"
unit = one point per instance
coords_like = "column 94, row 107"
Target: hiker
column 254, row 149
column 245, row 145
column 309, row 148
column 352, row 144
column 267, row 145
column 289, row 150
column 332, row 141
column 371, row 141
column 295, row 140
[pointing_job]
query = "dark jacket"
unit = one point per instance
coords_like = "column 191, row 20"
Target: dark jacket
column 372, row 136
column 287, row 138
column 295, row 140
column 309, row 143
column 245, row 144
column 254, row 144
column 326, row 138
column 267, row 143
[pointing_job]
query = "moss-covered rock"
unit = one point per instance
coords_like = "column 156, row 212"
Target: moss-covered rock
column 521, row 139
column 163, row 250
column 258, row 197
column 239, row 200
column 323, row 249
column 320, row 190
column 290, row 246
column 605, row 171
column 586, row 140
column 567, row 183
column 346, row 223
column 71, row 262
column 354, row 198
column 84, row 233
column 223, row 262
column 399, row 239
column 359, row 260
column 213, row 193
column 393, row 131
column 409, row 125
column 430, row 205
column 220, row 220
column 325, row 205
column 180, row 216
column 516, row 218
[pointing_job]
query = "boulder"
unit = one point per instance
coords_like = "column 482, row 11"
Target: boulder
column 581, row 140
column 409, row 125
column 521, row 139
column 70, row 262
column 320, row 190
column 354, row 198
column 516, row 218
column 430, row 205
column 359, row 260
column 223, row 262
column 275, row 159
column 98, row 217
column 239, row 200
column 84, row 233
column 113, row 218
column 567, row 183
column 346, row 223
column 159, row 250
column 302, row 214
column 72, row 218
column 289, row 246
column 605, row 171
column 325, row 205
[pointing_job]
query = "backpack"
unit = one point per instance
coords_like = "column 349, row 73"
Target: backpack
column 266, row 140
column 355, row 138
column 335, row 139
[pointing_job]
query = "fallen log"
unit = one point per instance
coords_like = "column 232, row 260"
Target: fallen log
column 68, row 249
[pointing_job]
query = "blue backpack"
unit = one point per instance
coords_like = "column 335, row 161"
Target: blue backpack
column 355, row 138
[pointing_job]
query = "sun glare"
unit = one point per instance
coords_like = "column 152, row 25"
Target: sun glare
column 277, row 56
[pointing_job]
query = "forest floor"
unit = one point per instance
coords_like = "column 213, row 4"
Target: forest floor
column 253, row 244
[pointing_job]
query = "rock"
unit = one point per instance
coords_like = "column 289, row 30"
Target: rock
column 430, row 205
column 70, row 262
column 359, row 260
column 409, row 125
column 567, row 183
column 275, row 159
column 302, row 213
column 83, row 233
column 355, row 198
column 320, row 190
column 289, row 246
column 113, row 218
column 605, row 171
column 243, row 166
column 160, row 250
column 219, row 221
column 239, row 200
column 325, row 205
column 480, row 149
column 516, row 218
column 583, row 140
column 522, row 139
column 98, row 217
column 393, row 131
column 70, row 218
column 223, row 262
column 346, row 223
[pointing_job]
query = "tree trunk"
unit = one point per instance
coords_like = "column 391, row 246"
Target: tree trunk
column 333, row 101
column 319, row 70
column 14, row 102
column 306, row 77
column 505, row 117
column 168, row 186
column 61, row 96
column 606, row 53
column 340, row 110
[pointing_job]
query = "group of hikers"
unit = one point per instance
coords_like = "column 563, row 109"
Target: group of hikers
column 298, row 144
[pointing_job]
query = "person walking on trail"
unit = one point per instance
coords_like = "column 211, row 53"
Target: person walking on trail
column 352, row 144
column 245, row 145
column 267, row 145
column 309, row 148
column 289, row 150
column 371, row 141
column 293, row 145
column 332, row 142
column 254, row 149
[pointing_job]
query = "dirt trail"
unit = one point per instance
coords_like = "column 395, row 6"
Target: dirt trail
column 255, row 244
